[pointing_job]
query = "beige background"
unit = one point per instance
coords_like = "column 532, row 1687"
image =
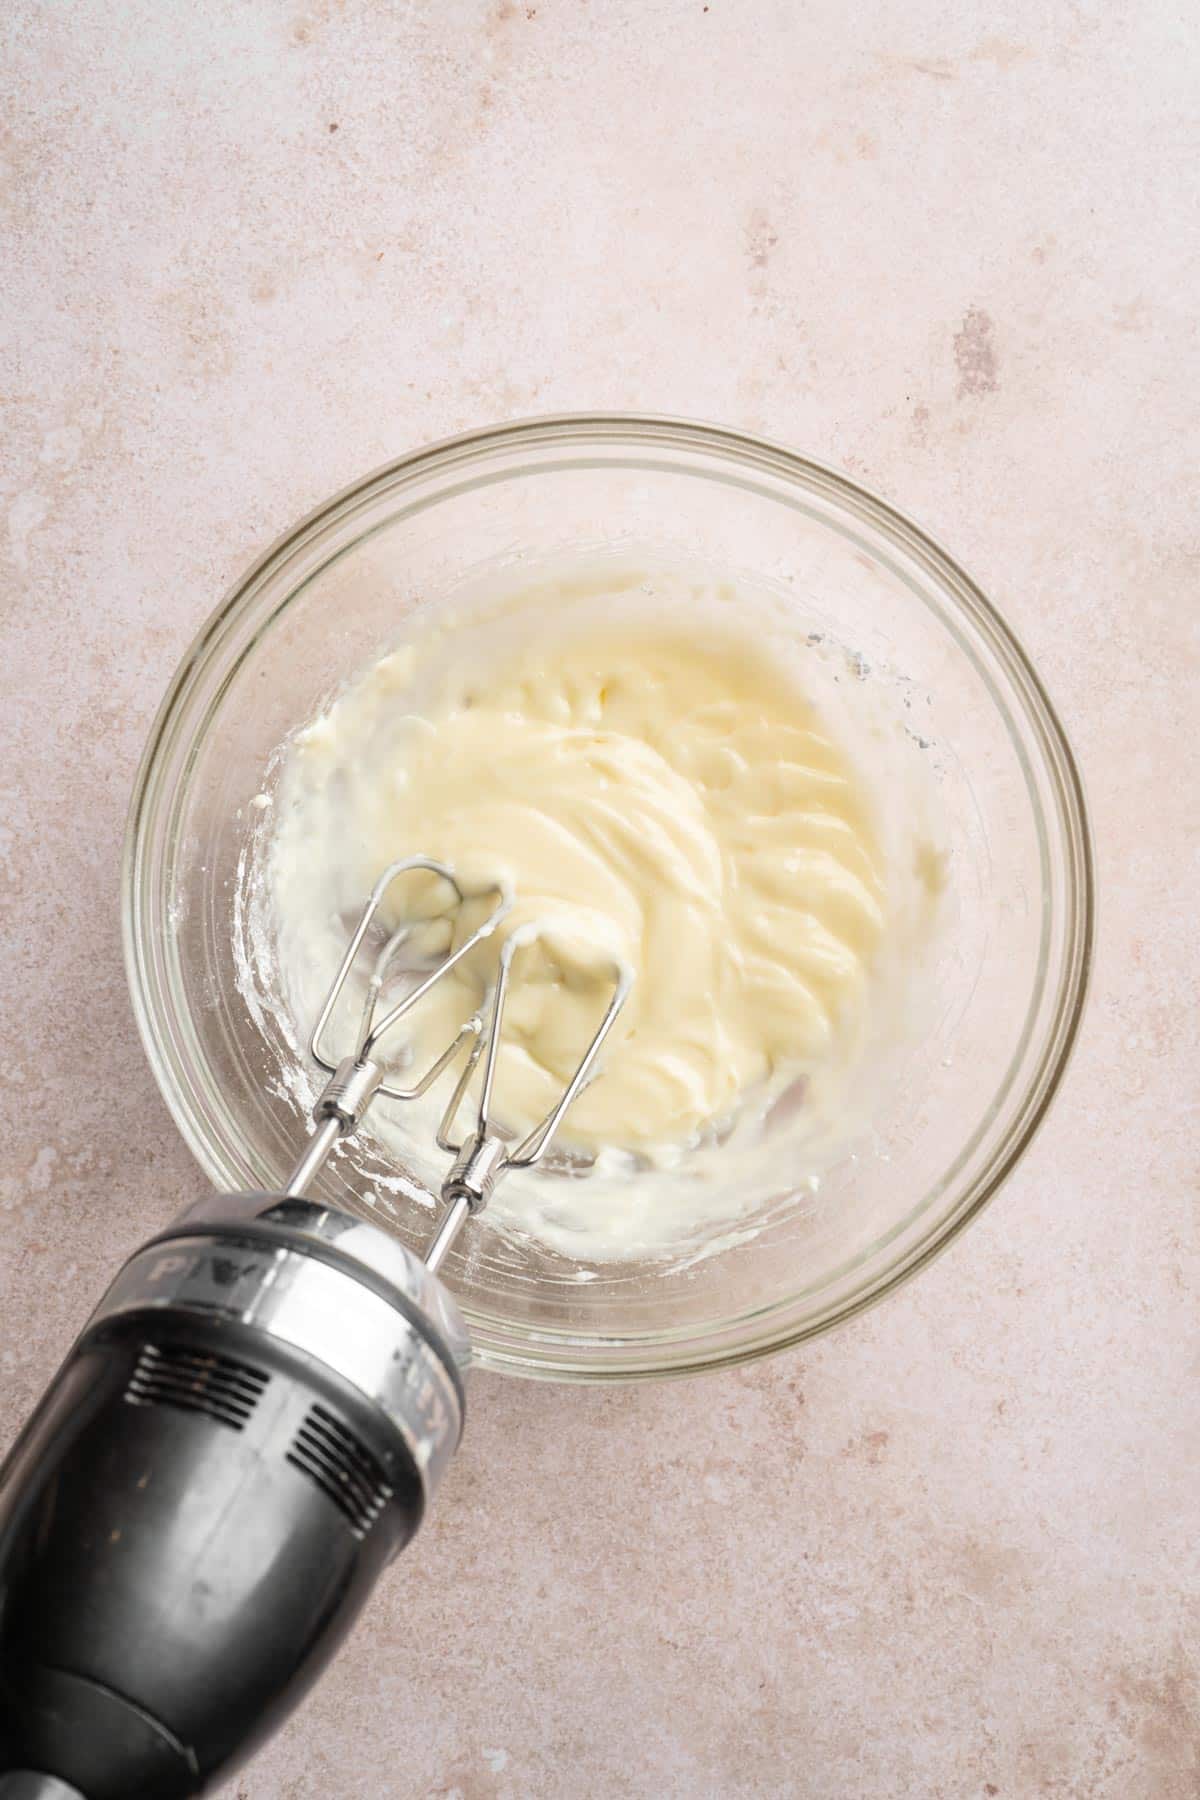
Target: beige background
column 252, row 249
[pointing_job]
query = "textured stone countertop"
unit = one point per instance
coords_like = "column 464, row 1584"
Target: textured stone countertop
column 250, row 250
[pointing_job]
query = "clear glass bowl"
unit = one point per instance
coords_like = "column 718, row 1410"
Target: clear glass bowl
column 1011, row 968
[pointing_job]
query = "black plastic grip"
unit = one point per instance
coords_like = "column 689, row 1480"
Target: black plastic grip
column 25, row 1784
column 189, row 1526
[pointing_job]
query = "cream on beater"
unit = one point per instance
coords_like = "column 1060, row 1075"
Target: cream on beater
column 660, row 791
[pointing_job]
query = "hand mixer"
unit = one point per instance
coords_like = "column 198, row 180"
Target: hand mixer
column 249, row 1428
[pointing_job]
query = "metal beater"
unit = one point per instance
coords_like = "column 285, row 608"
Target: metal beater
column 250, row 1426
column 481, row 1157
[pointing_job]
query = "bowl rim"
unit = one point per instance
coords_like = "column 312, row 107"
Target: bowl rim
column 662, row 430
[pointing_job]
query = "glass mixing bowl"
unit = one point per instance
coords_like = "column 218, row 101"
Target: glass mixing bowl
column 1011, row 964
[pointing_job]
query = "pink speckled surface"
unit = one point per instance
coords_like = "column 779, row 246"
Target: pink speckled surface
column 252, row 250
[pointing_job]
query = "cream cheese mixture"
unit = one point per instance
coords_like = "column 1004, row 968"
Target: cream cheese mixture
column 660, row 789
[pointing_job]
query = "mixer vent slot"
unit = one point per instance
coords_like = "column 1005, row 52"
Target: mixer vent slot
column 342, row 1468
column 196, row 1381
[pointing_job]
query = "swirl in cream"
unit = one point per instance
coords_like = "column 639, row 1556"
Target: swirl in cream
column 663, row 793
